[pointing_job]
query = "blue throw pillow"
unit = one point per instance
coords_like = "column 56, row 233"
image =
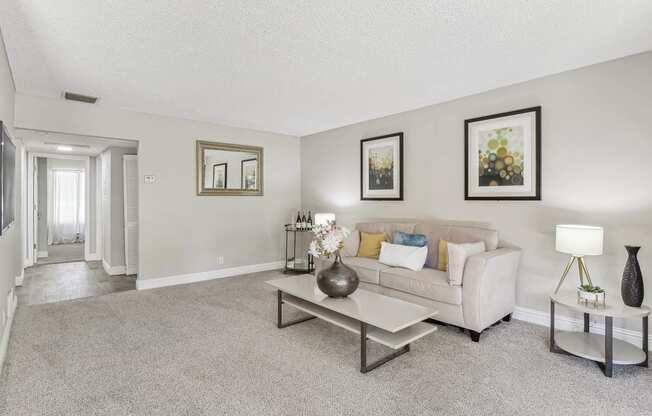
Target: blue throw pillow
column 414, row 240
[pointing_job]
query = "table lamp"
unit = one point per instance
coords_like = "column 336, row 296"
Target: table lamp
column 323, row 218
column 578, row 241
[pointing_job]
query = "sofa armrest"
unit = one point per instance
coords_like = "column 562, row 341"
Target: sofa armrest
column 489, row 287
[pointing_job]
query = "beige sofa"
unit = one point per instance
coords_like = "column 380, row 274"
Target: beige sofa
column 487, row 293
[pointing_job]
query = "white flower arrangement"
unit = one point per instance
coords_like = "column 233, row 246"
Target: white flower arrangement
column 328, row 240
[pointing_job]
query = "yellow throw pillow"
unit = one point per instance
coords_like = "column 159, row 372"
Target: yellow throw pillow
column 442, row 263
column 370, row 244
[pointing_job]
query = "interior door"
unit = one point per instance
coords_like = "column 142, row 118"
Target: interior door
column 130, row 175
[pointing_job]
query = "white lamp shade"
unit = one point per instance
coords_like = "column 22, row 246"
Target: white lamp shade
column 579, row 240
column 323, row 218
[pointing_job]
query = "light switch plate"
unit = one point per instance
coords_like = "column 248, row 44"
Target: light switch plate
column 150, row 178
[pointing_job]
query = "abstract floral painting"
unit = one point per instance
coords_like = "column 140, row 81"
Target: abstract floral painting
column 381, row 168
column 502, row 156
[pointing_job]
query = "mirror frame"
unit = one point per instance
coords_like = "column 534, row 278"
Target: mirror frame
column 203, row 145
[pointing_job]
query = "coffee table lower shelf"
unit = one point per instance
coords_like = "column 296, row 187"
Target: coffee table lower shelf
column 399, row 340
column 394, row 340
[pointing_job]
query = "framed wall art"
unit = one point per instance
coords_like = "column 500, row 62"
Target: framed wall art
column 502, row 156
column 248, row 174
column 381, row 168
column 219, row 175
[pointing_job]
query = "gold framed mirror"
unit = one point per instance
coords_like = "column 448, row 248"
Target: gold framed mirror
column 229, row 169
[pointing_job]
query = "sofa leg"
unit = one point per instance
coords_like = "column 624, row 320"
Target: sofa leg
column 507, row 318
column 475, row 336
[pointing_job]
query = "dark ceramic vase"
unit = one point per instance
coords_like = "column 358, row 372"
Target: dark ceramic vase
column 339, row 280
column 632, row 284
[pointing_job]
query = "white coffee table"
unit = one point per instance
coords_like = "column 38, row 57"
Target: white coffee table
column 389, row 321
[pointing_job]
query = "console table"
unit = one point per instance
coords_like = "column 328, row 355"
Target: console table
column 603, row 349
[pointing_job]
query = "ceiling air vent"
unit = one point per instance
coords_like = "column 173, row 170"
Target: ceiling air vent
column 79, row 97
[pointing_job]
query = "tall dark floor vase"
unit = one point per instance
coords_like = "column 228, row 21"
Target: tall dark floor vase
column 632, row 284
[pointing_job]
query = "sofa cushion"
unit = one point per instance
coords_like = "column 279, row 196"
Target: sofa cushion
column 397, row 255
column 405, row 239
column 351, row 244
column 368, row 269
column 455, row 234
column 457, row 255
column 389, row 228
column 442, row 256
column 428, row 283
column 370, row 244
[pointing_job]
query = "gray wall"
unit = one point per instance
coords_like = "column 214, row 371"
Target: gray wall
column 11, row 242
column 42, row 191
column 597, row 145
column 179, row 231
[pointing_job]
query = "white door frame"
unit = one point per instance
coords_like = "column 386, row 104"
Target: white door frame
column 31, row 232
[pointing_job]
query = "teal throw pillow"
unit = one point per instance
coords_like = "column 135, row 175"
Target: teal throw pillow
column 414, row 240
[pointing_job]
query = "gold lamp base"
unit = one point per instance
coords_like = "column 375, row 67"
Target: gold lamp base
column 582, row 269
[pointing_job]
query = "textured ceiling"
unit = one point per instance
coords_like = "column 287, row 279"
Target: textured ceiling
column 299, row 67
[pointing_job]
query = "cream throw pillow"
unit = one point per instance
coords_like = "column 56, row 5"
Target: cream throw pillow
column 351, row 244
column 408, row 257
column 457, row 255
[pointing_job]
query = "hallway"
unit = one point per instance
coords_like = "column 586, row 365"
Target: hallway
column 63, row 253
column 65, row 281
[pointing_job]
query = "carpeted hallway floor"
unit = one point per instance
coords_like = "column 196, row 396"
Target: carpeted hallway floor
column 213, row 348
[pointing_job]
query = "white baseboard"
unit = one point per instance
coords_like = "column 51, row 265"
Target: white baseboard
column 93, row 257
column 113, row 270
column 565, row 323
column 4, row 342
column 209, row 275
column 129, row 270
column 20, row 278
column 41, row 254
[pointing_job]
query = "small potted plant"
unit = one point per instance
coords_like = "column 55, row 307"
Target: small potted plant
column 590, row 295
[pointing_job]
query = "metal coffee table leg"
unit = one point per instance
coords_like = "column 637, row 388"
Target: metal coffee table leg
column 364, row 368
column 279, row 313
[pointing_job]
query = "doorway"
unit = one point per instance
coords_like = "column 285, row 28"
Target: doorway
column 81, row 204
column 61, row 211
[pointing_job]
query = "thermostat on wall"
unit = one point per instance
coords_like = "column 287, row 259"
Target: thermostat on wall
column 150, row 178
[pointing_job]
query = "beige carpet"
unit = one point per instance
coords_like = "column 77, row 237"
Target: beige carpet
column 213, row 348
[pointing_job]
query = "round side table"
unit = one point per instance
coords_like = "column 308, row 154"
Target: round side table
column 603, row 349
